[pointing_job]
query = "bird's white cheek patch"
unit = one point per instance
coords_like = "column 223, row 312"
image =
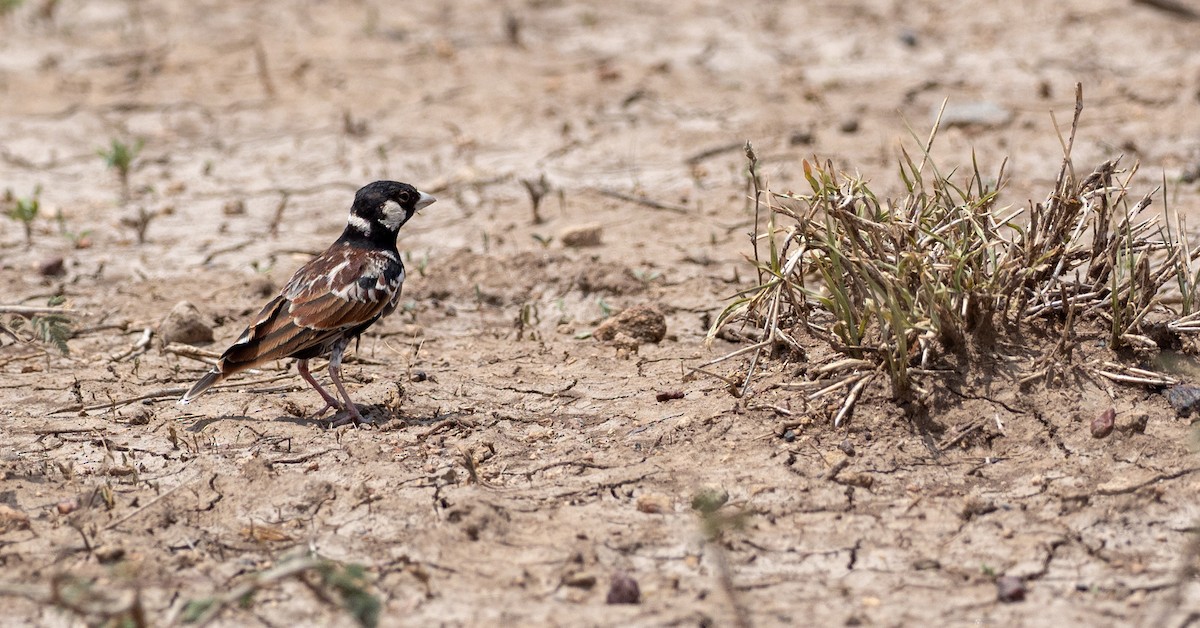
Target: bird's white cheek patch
column 359, row 223
column 393, row 215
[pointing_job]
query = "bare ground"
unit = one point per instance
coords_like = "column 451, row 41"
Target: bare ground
column 518, row 464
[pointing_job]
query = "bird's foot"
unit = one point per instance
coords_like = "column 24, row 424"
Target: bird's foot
column 326, row 408
column 352, row 415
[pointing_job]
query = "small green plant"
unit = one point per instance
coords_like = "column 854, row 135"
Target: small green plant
column 8, row 6
column 119, row 157
column 78, row 239
column 421, row 264
column 645, row 275
column 528, row 320
column 48, row 325
column 344, row 584
column 24, row 210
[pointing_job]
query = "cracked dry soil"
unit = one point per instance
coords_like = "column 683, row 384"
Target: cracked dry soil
column 519, row 464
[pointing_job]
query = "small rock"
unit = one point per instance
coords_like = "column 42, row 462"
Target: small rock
column 800, row 138
column 640, row 322
column 236, row 207
column 1136, row 423
column 984, row 113
column 107, row 554
column 581, row 235
column 185, row 324
column 668, row 395
column 1103, row 425
column 847, row 448
column 849, row 125
column 1010, row 589
column 579, row 580
column 1185, row 398
column 653, row 503
column 67, row 506
column 52, row 267
column 908, row 37
column 625, row 344
column 789, row 435
column 623, row 589
column 12, row 519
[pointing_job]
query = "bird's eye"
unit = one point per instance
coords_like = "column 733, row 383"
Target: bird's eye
column 405, row 197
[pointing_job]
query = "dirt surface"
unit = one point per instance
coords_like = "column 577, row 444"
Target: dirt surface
column 518, row 464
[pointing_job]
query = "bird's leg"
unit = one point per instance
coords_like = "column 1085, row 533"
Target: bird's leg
column 335, row 374
column 330, row 402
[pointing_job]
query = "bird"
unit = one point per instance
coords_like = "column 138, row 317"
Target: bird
column 331, row 299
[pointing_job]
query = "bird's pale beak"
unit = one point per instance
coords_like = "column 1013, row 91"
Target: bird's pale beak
column 425, row 200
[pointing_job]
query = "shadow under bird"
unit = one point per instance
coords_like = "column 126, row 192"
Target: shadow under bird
column 331, row 299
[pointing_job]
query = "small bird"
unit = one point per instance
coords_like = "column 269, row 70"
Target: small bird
column 331, row 299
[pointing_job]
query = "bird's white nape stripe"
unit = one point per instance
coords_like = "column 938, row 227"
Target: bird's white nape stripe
column 360, row 224
column 393, row 215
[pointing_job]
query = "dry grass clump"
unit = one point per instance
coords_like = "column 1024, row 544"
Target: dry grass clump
column 892, row 284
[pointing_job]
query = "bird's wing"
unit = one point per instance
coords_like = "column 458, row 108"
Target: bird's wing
column 332, row 294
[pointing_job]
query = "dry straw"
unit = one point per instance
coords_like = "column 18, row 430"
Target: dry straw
column 892, row 285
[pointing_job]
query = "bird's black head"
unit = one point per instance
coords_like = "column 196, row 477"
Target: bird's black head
column 381, row 208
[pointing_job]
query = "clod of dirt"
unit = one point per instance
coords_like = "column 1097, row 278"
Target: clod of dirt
column 67, row 506
column 654, row 503
column 983, row 113
column 579, row 580
column 623, row 589
column 1010, row 589
column 52, row 267
column 185, row 324
column 1136, row 424
column 975, row 506
column 607, row 279
column 625, row 345
column 640, row 322
column 1103, row 425
column 108, row 554
column 1185, row 398
column 235, row 207
column 12, row 519
column 668, row 395
column 581, row 235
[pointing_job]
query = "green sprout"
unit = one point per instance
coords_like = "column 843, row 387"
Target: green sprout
column 24, row 210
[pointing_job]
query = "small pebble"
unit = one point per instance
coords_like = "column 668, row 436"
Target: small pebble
column 849, row 126
column 623, row 589
column 801, row 138
column 640, row 322
column 789, row 435
column 1185, row 398
column 653, row 503
column 52, row 267
column 185, row 324
column 1103, row 425
column 581, row 235
column 1010, row 589
column 984, row 113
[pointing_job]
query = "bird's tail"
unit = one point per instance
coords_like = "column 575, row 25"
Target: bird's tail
column 206, row 382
